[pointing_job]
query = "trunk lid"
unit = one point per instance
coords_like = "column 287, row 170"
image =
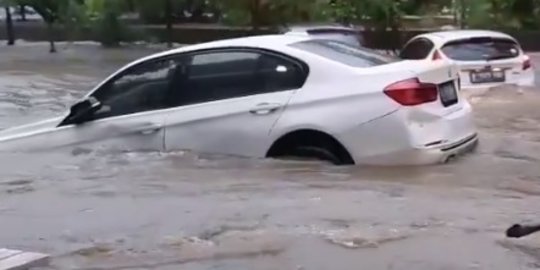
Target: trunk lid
column 485, row 59
column 440, row 75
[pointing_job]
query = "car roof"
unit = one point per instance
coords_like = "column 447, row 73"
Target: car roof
column 451, row 35
column 317, row 26
column 258, row 41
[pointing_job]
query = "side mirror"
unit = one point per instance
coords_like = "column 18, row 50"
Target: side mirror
column 83, row 110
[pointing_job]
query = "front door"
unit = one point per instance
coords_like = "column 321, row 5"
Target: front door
column 131, row 118
column 229, row 100
column 135, row 132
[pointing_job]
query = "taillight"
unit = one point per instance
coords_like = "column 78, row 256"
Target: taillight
column 526, row 64
column 412, row 92
column 436, row 55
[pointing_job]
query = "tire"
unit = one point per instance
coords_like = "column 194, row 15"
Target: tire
column 310, row 144
column 318, row 153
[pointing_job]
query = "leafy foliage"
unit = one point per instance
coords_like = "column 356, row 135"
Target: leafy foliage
column 516, row 14
column 103, row 16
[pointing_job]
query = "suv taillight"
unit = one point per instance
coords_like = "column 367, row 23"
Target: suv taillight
column 527, row 63
column 436, row 55
column 412, row 92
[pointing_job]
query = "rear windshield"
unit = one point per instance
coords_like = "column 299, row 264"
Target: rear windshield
column 344, row 53
column 481, row 49
column 350, row 37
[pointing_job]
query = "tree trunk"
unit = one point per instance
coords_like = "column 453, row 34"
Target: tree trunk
column 169, row 22
column 9, row 27
column 255, row 8
column 463, row 11
column 455, row 12
column 22, row 10
column 50, row 28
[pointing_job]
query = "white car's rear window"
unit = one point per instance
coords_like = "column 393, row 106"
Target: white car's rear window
column 481, row 49
column 345, row 53
column 351, row 37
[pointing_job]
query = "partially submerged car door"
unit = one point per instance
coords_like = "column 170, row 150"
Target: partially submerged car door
column 229, row 99
column 130, row 115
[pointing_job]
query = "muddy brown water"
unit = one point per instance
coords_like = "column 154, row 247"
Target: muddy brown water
column 185, row 211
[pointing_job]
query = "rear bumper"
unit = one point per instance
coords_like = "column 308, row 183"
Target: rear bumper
column 443, row 153
column 408, row 137
column 423, row 155
column 523, row 79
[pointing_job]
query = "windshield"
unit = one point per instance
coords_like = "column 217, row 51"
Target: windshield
column 344, row 53
column 479, row 49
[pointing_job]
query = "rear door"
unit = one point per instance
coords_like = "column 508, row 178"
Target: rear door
column 485, row 60
column 229, row 99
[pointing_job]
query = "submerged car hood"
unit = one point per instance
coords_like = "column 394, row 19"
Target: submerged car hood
column 29, row 128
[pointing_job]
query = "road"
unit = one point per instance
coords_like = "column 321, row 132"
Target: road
column 95, row 210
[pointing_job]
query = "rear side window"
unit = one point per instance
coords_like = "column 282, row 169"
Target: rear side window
column 344, row 53
column 479, row 49
column 417, row 49
column 212, row 76
column 279, row 74
column 350, row 37
column 226, row 74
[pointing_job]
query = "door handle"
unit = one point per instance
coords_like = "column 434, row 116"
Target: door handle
column 265, row 108
column 150, row 129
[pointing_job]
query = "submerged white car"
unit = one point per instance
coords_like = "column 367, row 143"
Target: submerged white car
column 269, row 96
column 485, row 58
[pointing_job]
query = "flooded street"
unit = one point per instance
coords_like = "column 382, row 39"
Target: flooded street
column 137, row 211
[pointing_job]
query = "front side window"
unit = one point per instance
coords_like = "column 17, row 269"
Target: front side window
column 143, row 87
column 417, row 49
column 481, row 49
column 278, row 74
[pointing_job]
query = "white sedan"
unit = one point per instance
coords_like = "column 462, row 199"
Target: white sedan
column 485, row 58
column 268, row 96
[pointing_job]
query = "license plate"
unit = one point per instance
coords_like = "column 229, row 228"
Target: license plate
column 487, row 76
column 448, row 93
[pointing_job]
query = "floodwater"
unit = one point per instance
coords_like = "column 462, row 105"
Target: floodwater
column 183, row 211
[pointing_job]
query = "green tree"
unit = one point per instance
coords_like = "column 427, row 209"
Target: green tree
column 51, row 12
column 104, row 17
column 516, row 14
column 169, row 21
column 527, row 12
column 264, row 13
column 162, row 12
column 10, row 31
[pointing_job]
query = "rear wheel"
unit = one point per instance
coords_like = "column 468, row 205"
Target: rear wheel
column 308, row 144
